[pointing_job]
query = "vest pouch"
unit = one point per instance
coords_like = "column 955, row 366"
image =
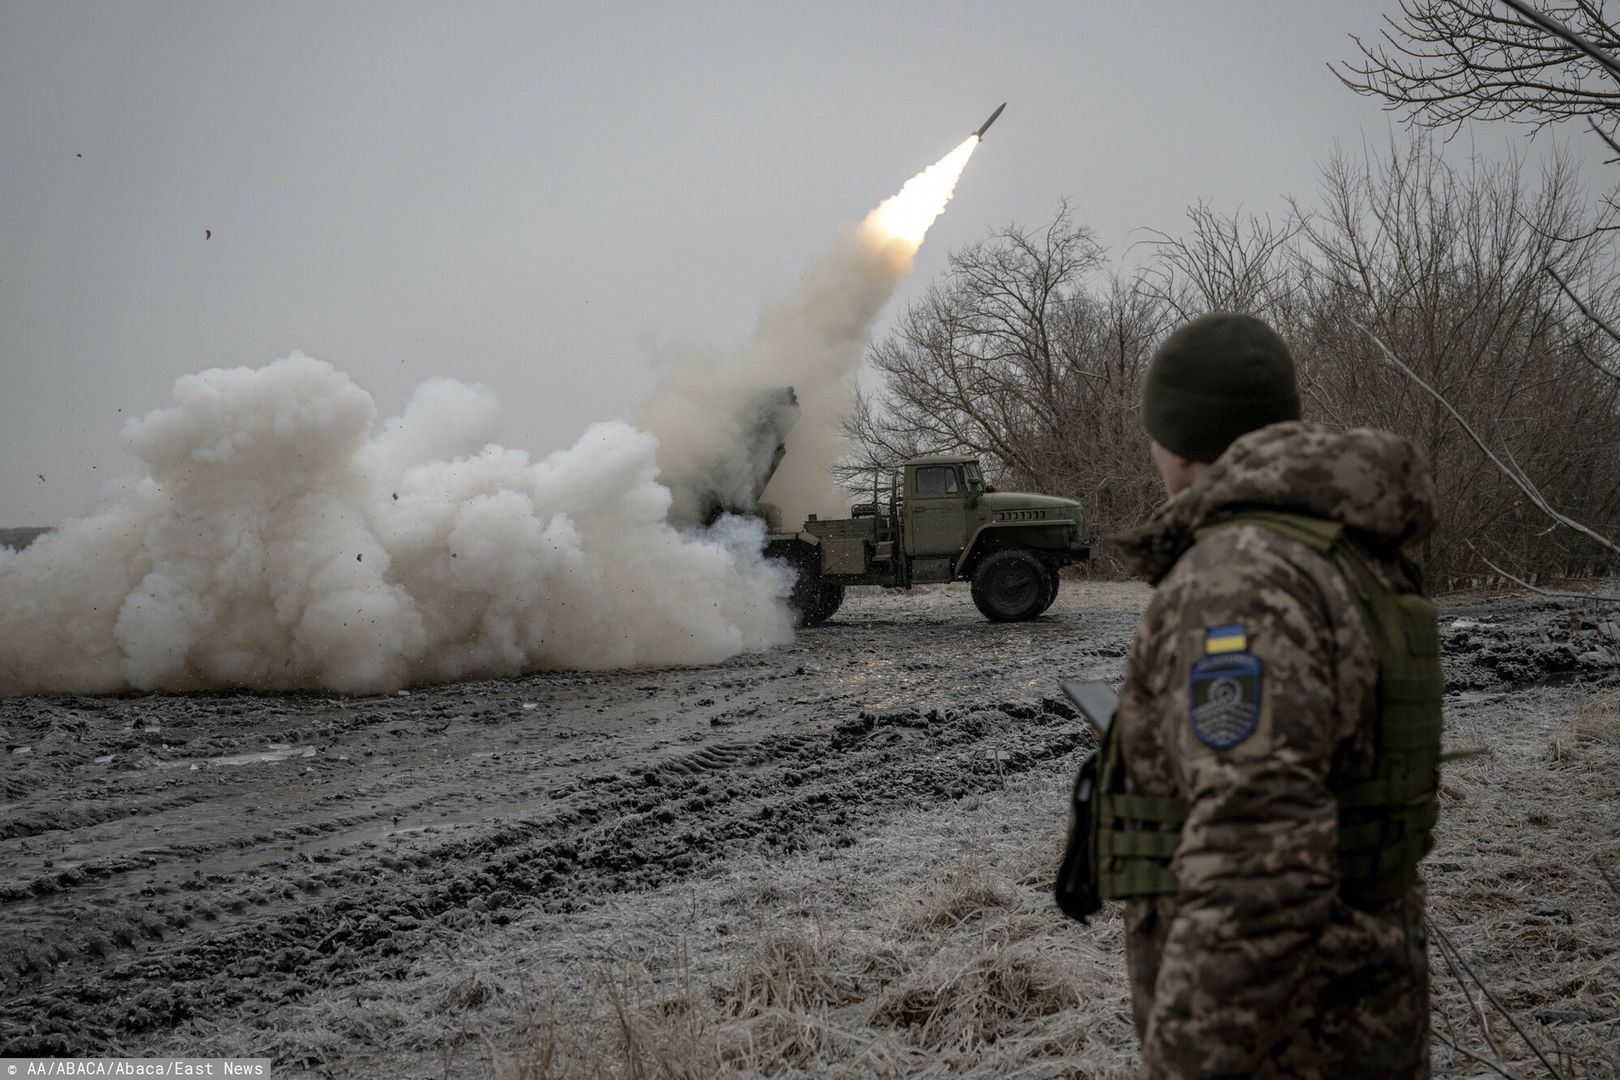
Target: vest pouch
column 1076, row 887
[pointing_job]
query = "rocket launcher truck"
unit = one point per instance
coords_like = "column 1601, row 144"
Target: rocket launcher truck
column 941, row 522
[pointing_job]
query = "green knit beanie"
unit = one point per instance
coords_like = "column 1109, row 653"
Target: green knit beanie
column 1216, row 378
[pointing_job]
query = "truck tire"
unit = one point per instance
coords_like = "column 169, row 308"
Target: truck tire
column 828, row 601
column 1053, row 582
column 1010, row 586
column 805, row 599
column 814, row 599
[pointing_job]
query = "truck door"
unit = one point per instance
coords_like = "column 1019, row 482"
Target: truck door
column 935, row 518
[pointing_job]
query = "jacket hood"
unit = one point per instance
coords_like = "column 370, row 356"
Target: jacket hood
column 1374, row 483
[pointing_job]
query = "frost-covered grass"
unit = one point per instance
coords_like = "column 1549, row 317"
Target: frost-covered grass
column 931, row 949
column 934, row 949
column 1525, row 883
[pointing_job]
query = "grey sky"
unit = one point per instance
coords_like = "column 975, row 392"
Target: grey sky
column 528, row 194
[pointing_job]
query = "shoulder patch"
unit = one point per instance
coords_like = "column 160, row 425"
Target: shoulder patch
column 1224, row 705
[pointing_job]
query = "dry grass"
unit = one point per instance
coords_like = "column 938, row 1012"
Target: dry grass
column 867, row 965
column 1597, row 719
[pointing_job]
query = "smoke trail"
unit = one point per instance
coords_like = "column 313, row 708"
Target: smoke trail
column 274, row 543
column 716, row 413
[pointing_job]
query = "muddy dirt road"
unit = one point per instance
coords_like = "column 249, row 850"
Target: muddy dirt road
column 172, row 866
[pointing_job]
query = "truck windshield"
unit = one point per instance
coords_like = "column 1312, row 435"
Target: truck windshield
column 936, row 480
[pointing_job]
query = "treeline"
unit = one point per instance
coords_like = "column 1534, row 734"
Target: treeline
column 1031, row 354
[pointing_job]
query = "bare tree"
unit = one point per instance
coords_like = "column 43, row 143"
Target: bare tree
column 1525, row 61
column 982, row 362
column 1447, row 266
column 1222, row 263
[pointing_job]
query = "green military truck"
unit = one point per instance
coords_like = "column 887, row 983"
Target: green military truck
column 941, row 523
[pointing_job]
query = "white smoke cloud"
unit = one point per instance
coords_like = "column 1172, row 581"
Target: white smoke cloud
column 276, row 543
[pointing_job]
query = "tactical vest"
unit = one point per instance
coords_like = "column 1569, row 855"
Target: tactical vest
column 1386, row 822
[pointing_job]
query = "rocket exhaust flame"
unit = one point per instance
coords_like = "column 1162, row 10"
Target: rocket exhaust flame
column 907, row 215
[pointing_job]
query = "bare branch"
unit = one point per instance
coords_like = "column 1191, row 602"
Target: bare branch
column 1594, row 231
column 1481, row 1059
column 1519, row 480
column 1453, row 960
column 1604, row 135
column 1446, row 943
column 1561, row 593
column 1558, row 29
column 1591, row 316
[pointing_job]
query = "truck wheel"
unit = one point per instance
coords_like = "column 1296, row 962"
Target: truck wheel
column 814, row 599
column 828, row 601
column 1052, row 584
column 805, row 599
column 1010, row 586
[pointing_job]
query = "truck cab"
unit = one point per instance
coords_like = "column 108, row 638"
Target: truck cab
column 940, row 496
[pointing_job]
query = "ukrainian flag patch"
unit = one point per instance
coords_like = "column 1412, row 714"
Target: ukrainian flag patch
column 1225, row 639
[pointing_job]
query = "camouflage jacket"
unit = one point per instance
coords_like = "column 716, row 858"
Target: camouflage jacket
column 1256, row 966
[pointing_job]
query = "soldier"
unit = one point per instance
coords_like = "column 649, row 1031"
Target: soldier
column 1268, row 785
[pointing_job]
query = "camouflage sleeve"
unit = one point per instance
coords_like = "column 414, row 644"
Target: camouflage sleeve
column 1251, row 656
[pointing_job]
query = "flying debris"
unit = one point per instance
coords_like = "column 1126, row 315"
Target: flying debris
column 984, row 127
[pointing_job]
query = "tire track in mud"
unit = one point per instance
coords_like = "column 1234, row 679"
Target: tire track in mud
column 114, row 950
